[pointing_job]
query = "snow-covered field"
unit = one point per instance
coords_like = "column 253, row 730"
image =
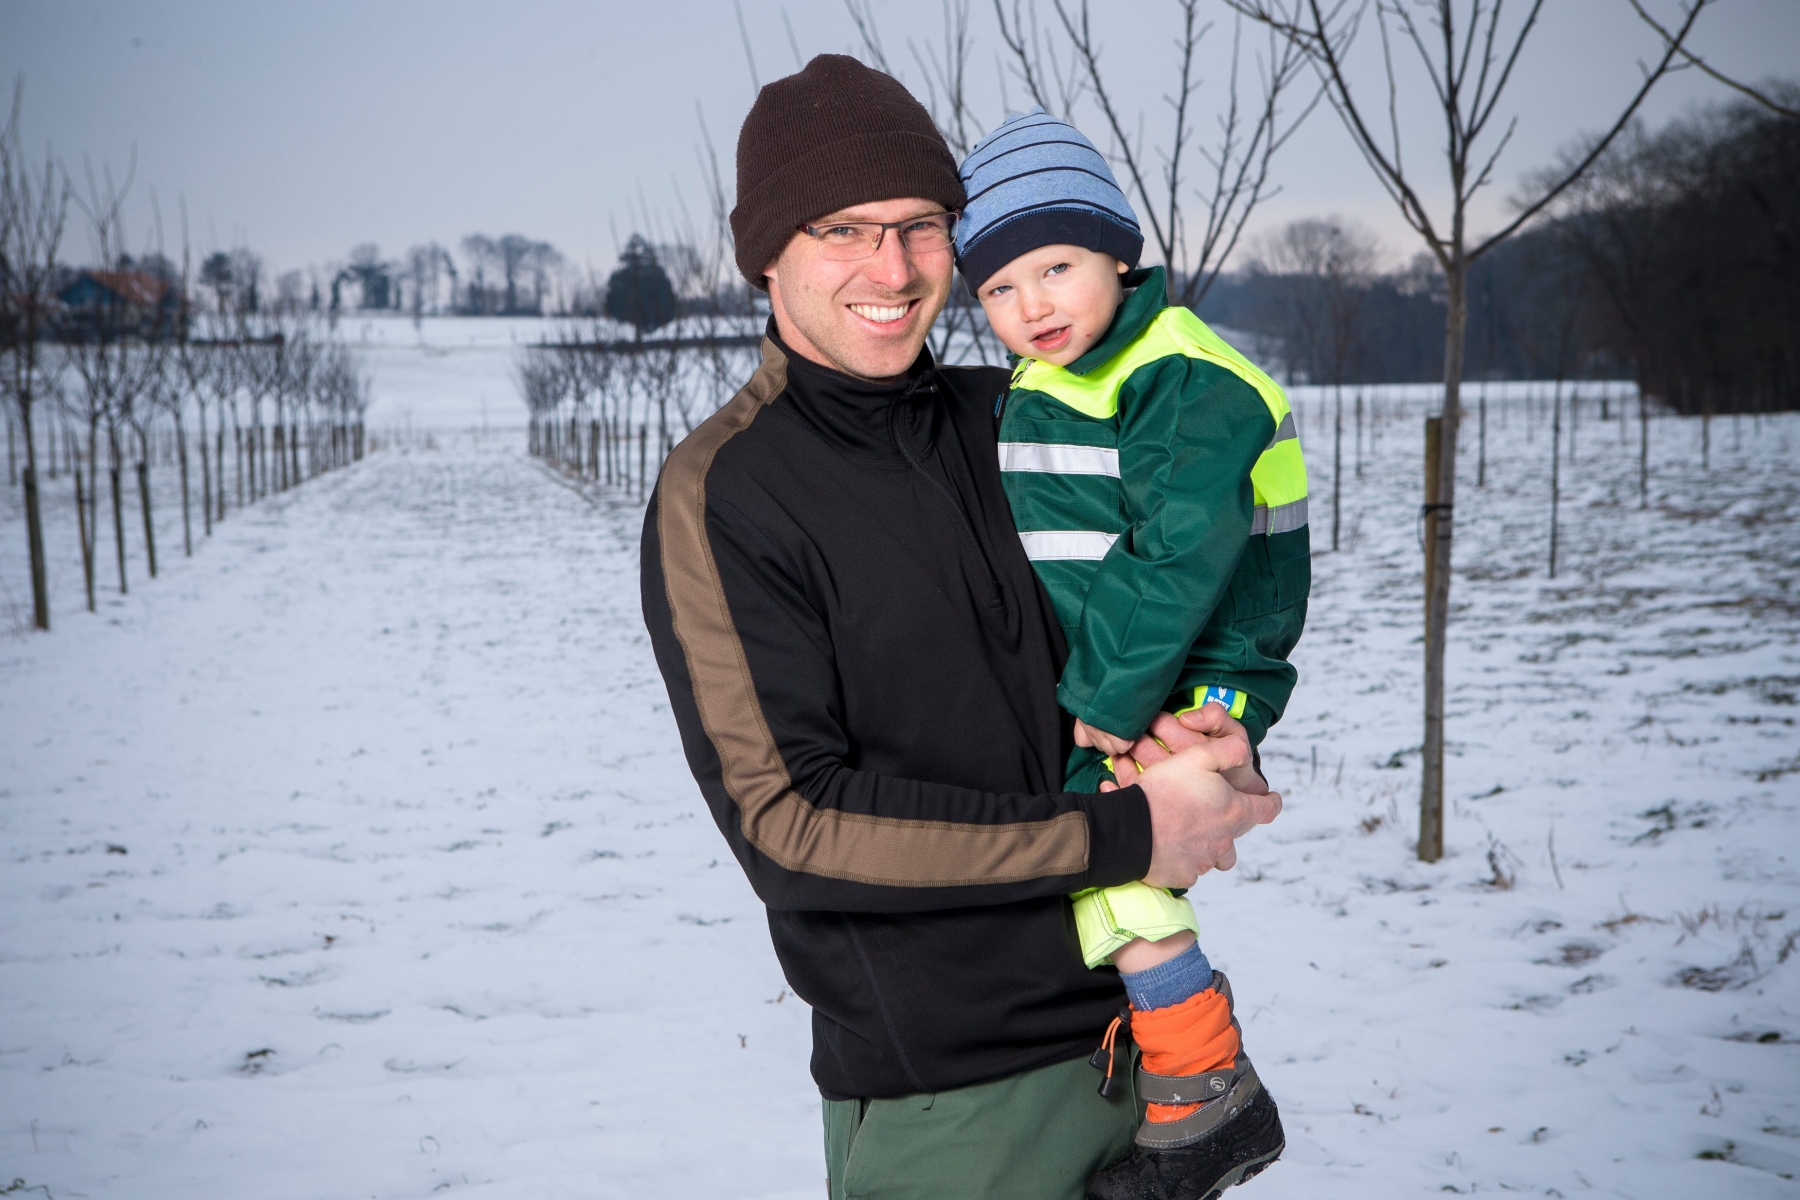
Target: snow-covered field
column 355, row 856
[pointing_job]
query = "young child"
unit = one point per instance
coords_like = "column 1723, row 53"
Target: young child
column 1157, row 484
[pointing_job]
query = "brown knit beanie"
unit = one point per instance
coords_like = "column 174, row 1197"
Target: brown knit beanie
column 835, row 134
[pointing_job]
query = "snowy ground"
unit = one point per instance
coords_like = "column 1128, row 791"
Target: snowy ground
column 355, row 855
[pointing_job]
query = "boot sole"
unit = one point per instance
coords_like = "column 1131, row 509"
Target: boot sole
column 1254, row 1138
column 1245, row 1173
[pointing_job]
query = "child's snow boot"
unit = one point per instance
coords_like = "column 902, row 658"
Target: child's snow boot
column 1207, row 1130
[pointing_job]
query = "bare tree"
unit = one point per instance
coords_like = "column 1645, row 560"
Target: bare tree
column 1235, row 177
column 425, row 266
column 517, row 257
column 338, row 386
column 543, row 263
column 244, row 271
column 85, row 406
column 33, row 207
column 107, row 344
column 210, row 369
column 163, row 389
column 1469, row 63
column 482, row 253
column 540, row 382
column 1328, row 266
column 256, row 371
column 943, row 68
column 1563, row 298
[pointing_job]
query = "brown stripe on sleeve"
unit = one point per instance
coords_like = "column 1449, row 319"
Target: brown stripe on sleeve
column 777, row 820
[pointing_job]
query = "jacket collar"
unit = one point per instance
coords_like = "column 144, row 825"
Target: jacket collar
column 894, row 420
column 1135, row 313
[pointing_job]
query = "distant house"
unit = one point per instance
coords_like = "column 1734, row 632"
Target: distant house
column 121, row 302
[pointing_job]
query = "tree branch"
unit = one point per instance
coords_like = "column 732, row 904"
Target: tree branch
column 1669, row 39
column 1672, row 50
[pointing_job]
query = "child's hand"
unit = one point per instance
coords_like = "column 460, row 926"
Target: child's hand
column 1098, row 739
column 1208, row 726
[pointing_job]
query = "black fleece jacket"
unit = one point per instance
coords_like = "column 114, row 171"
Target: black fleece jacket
column 863, row 667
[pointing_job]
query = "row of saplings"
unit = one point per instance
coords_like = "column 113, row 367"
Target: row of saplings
column 610, row 415
column 258, row 405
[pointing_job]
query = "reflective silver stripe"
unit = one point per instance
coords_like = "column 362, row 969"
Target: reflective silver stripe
column 1283, row 518
column 1066, row 543
column 1059, row 459
column 1283, row 431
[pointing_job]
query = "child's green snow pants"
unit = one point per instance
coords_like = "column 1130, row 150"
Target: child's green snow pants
column 1037, row 1135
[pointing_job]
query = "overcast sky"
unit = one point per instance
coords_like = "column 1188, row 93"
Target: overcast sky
column 303, row 129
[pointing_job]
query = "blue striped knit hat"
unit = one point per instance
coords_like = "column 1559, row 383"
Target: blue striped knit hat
column 1036, row 181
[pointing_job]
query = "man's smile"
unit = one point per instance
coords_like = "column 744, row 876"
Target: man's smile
column 883, row 314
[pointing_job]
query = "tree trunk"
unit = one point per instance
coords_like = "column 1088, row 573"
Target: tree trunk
column 34, row 519
column 1440, row 507
column 1574, row 419
column 1337, row 466
column 118, row 509
column 1481, row 454
column 1555, row 468
column 181, row 458
column 1359, row 431
column 1643, row 449
column 34, row 537
column 143, row 477
column 93, row 502
column 87, row 539
column 206, row 495
column 1431, row 809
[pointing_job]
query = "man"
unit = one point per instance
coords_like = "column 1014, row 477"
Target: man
column 863, row 668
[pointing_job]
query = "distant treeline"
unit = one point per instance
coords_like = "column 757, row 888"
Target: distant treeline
column 1676, row 262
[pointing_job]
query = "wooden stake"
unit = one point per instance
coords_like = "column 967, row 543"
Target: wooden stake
column 1431, row 800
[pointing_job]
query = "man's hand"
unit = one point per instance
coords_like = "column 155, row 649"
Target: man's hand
column 1099, row 739
column 1196, row 816
column 1209, row 723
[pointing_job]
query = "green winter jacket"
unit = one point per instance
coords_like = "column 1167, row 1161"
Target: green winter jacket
column 1158, row 488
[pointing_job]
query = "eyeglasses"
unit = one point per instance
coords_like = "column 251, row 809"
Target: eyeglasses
column 848, row 241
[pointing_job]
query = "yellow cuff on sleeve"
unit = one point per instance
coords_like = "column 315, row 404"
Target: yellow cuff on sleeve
column 1108, row 918
column 1234, row 700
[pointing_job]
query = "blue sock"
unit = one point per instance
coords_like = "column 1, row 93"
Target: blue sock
column 1181, row 978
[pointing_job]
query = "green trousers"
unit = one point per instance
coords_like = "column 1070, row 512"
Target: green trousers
column 1032, row 1136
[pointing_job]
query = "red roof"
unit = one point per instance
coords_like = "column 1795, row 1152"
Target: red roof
column 134, row 287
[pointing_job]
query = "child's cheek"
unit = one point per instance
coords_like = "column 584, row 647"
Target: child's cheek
column 1005, row 325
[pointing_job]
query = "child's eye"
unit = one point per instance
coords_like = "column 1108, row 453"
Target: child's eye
column 1005, row 287
column 1058, row 269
